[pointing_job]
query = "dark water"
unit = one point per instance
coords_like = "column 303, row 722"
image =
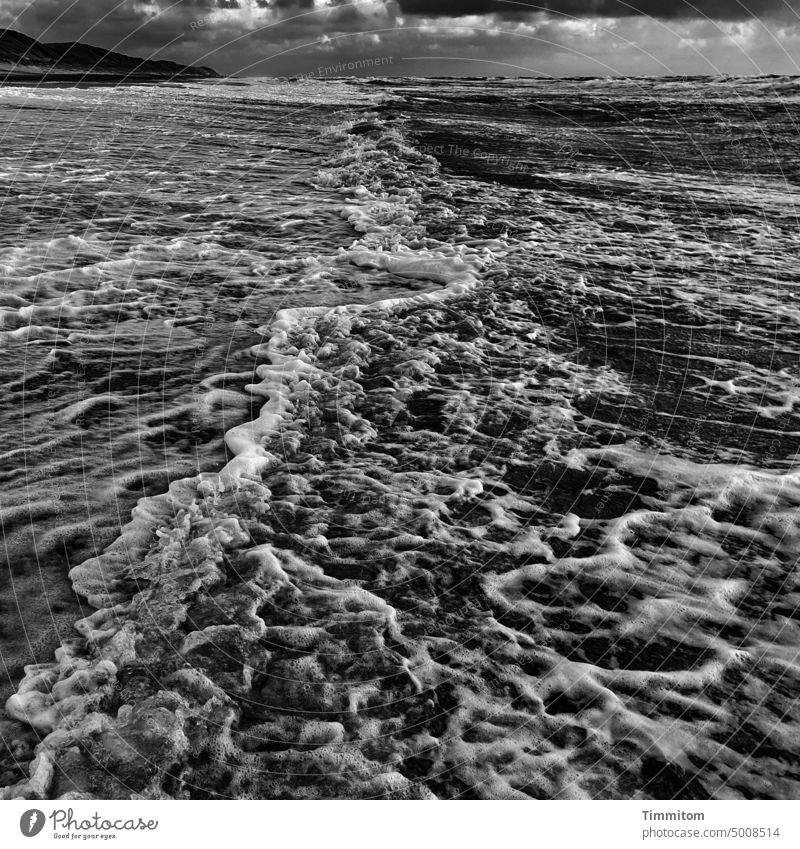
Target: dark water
column 520, row 517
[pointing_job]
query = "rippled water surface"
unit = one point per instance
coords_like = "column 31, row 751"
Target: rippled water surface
column 503, row 503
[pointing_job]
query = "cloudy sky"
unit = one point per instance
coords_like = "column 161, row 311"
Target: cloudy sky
column 434, row 37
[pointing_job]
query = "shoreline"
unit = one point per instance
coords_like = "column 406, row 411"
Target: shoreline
column 89, row 78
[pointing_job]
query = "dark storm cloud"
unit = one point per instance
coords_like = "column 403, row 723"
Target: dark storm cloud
column 666, row 9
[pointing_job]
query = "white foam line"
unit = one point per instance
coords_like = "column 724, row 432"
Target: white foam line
column 246, row 440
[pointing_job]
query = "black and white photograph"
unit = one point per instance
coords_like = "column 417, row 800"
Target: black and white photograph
column 400, row 402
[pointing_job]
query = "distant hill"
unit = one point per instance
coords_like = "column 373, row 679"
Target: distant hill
column 21, row 56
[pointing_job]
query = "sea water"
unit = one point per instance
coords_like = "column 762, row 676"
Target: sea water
column 458, row 422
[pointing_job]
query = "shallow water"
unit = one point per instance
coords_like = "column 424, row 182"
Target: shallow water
column 503, row 504
column 148, row 232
